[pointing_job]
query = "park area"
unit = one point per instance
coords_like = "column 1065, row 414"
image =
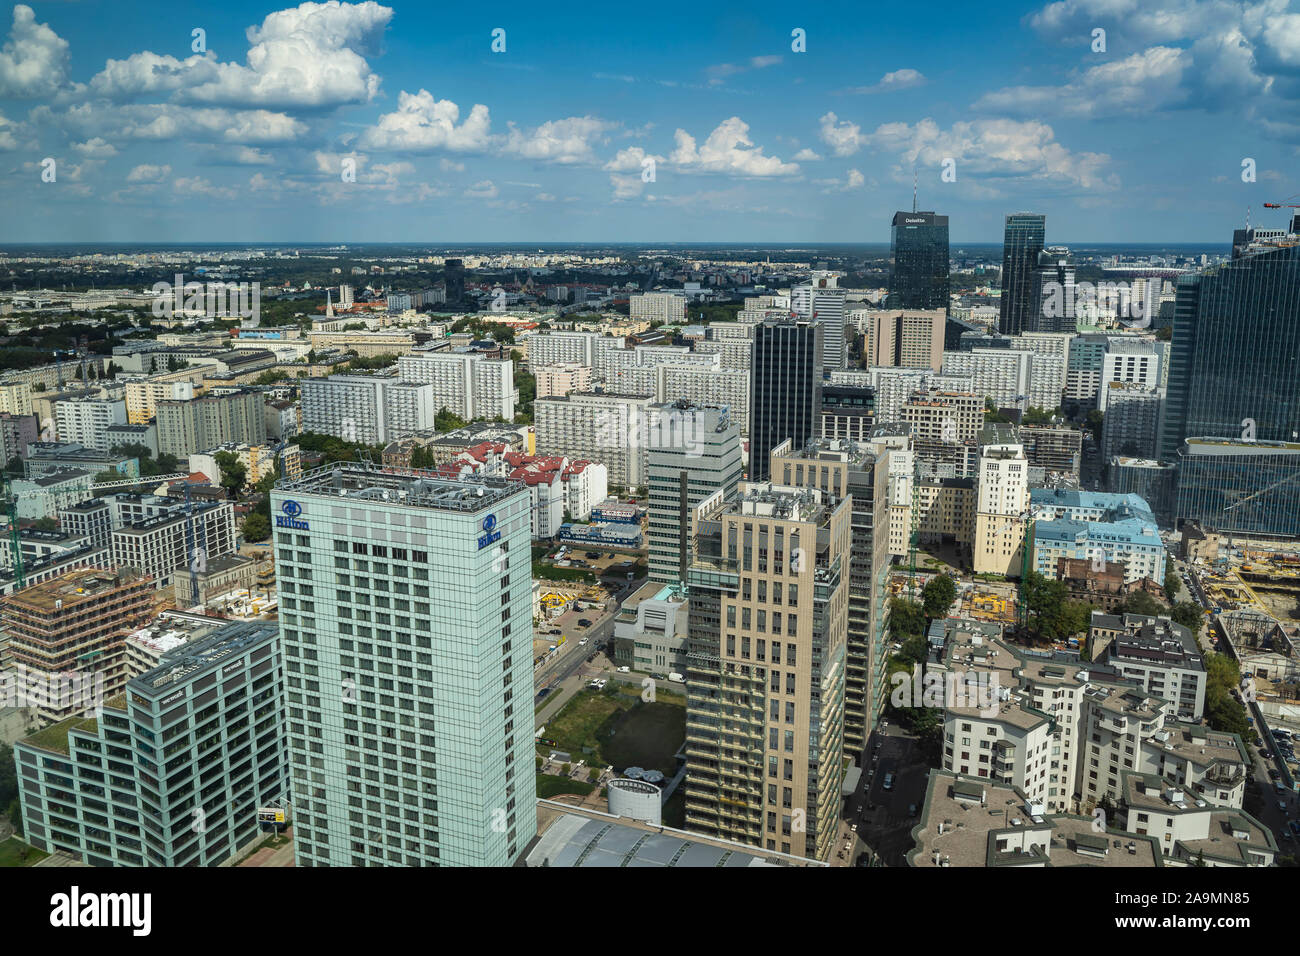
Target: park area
column 615, row 727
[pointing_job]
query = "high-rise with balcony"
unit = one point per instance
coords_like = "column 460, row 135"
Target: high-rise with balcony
column 405, row 615
column 74, row 626
column 841, row 468
column 766, row 654
column 785, row 389
column 1022, row 241
column 694, row 452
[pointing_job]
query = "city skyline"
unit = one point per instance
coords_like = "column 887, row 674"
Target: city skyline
column 767, row 133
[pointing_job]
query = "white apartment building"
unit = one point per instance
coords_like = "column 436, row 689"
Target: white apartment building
column 665, row 307
column 578, row 348
column 1003, row 375
column 562, row 379
column 1069, row 737
column 85, row 421
column 467, row 384
column 159, row 545
column 367, row 408
column 605, row 427
column 1046, row 380
column 823, row 302
column 1133, row 362
column 16, row 398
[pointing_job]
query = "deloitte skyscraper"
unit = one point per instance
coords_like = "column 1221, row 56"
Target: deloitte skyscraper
column 407, row 630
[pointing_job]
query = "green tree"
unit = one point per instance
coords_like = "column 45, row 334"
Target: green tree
column 937, row 595
column 1189, row 615
column 446, row 421
column 257, row 527
column 1093, row 423
column 1172, row 585
column 906, row 619
column 1140, row 602
column 233, row 471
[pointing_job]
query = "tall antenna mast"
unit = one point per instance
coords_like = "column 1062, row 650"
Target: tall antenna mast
column 913, row 189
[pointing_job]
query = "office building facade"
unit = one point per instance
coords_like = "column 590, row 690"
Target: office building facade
column 918, row 256
column 785, row 389
column 406, row 620
column 1235, row 351
column 1022, row 241
column 213, row 711
column 694, row 452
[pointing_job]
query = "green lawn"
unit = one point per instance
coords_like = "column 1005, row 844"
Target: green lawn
column 621, row 729
column 11, row 851
column 550, row 785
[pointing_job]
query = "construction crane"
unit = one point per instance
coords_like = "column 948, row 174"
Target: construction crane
column 196, row 565
column 1284, row 204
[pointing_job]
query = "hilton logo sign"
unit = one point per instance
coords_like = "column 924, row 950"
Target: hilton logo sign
column 290, row 517
column 490, row 532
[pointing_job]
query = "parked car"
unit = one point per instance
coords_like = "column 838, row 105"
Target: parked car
column 888, row 782
column 583, row 622
column 1295, row 826
column 911, row 809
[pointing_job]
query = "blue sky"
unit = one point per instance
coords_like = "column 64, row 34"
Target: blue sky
column 553, row 139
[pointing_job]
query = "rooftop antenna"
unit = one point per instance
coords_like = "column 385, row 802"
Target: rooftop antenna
column 913, row 189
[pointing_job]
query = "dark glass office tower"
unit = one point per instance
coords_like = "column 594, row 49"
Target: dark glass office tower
column 1022, row 241
column 454, row 275
column 785, row 390
column 918, row 256
column 1235, row 355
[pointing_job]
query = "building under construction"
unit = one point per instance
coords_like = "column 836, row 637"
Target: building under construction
column 73, row 627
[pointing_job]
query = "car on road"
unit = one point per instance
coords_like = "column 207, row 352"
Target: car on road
column 624, row 669
column 582, row 642
column 1280, row 787
column 1295, row 826
column 543, row 692
column 911, row 809
column 889, row 781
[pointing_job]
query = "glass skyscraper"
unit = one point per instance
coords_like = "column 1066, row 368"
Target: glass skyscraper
column 1235, row 357
column 1246, row 487
column 785, row 389
column 405, row 615
column 1022, row 241
column 918, row 255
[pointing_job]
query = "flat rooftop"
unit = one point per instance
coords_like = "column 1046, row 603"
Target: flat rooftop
column 972, row 822
column 84, row 584
column 576, row 837
column 180, row 665
column 401, row 486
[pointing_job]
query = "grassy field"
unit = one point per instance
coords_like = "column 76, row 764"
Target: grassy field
column 11, row 851
column 620, row 729
column 550, row 785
